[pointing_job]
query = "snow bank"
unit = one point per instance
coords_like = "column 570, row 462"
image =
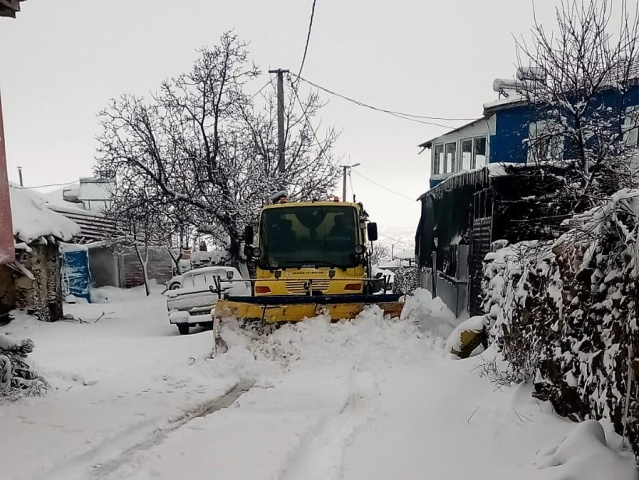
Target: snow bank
column 370, row 339
column 584, row 455
column 431, row 314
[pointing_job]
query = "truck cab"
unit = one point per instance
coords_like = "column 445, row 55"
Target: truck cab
column 312, row 248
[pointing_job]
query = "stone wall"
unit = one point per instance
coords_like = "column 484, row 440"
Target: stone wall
column 42, row 295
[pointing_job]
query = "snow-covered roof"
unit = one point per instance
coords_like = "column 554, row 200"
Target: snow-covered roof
column 429, row 143
column 506, row 102
column 57, row 196
column 32, row 219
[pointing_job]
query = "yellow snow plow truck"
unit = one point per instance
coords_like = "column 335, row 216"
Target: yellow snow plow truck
column 310, row 258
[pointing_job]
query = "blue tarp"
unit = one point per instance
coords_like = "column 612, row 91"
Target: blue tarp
column 75, row 273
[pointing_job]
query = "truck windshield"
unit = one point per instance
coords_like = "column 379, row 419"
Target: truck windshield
column 309, row 236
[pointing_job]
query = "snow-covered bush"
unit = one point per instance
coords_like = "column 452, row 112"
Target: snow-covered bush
column 405, row 280
column 565, row 313
column 17, row 377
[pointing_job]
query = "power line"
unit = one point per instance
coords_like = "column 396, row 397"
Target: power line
column 385, row 188
column 54, row 184
column 308, row 38
column 405, row 116
column 394, row 239
column 269, row 82
column 308, row 120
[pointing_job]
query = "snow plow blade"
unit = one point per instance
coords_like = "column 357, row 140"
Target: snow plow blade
column 289, row 308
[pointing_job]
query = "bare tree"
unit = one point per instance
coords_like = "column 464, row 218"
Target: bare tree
column 579, row 80
column 142, row 220
column 206, row 148
column 380, row 253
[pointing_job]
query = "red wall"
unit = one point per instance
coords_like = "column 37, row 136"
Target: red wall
column 7, row 254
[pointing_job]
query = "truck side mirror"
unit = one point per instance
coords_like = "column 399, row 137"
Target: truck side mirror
column 248, row 234
column 372, row 231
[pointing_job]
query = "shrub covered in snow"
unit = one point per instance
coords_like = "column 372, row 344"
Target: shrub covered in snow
column 17, row 377
column 564, row 313
column 405, row 280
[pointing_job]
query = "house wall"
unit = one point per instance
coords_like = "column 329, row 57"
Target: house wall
column 508, row 145
column 103, row 266
column 159, row 268
column 7, row 290
column 41, row 296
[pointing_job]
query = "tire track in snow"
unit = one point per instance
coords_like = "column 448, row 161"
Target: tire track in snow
column 320, row 456
column 108, row 456
column 206, row 408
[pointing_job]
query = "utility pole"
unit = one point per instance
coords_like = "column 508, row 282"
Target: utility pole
column 280, row 118
column 347, row 168
column 20, row 175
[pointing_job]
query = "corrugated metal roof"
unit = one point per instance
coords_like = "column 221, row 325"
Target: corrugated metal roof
column 94, row 227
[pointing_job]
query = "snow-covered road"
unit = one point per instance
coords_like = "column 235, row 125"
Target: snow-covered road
column 372, row 399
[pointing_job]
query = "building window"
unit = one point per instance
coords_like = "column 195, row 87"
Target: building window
column 466, row 153
column 438, row 159
column 450, row 151
column 545, row 142
column 479, row 153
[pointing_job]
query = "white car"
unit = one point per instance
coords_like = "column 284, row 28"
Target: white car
column 193, row 302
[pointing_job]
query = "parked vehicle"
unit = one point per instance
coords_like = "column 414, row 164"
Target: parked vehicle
column 193, row 301
column 174, row 283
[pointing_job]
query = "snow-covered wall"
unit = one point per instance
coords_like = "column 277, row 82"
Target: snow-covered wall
column 564, row 314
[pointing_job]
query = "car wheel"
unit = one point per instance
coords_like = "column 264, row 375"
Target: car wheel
column 183, row 328
column 174, row 286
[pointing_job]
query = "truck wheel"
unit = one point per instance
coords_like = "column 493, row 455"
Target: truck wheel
column 183, row 328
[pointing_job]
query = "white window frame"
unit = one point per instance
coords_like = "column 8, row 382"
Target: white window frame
column 438, row 163
column 450, row 162
column 462, row 164
column 473, row 162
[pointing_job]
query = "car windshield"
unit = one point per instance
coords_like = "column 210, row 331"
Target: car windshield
column 204, row 279
column 305, row 236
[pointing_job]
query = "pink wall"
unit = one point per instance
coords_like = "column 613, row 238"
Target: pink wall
column 7, row 254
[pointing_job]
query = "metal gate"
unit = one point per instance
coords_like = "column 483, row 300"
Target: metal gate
column 480, row 239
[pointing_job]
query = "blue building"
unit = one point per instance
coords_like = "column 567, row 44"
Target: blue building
column 485, row 179
column 511, row 130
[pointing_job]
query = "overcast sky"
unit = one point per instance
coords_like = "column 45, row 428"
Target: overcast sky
column 60, row 62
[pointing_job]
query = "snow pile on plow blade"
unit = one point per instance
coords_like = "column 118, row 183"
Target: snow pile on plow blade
column 294, row 308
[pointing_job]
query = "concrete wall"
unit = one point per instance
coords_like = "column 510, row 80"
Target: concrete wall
column 160, row 267
column 103, row 266
column 118, row 266
column 454, row 293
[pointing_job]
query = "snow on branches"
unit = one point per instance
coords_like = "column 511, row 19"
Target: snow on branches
column 581, row 81
column 202, row 151
column 17, row 377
